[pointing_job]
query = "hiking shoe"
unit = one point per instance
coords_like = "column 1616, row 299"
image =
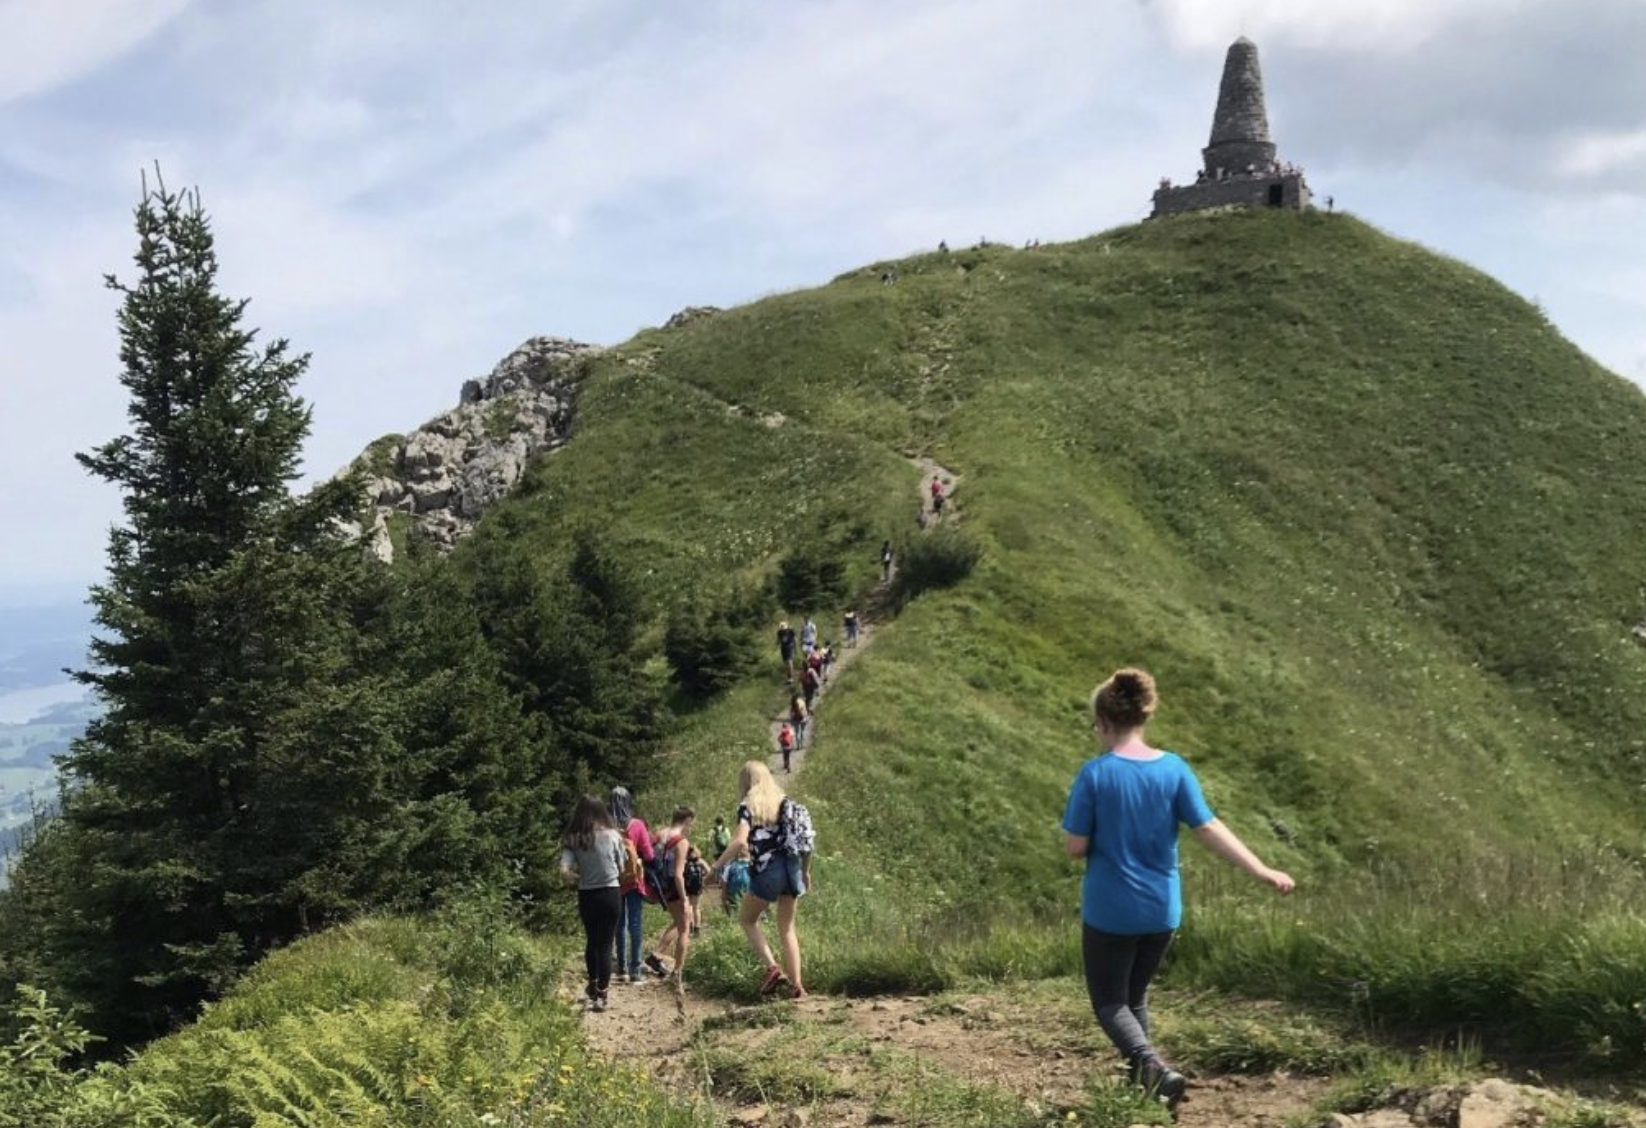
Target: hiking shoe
column 597, row 1004
column 657, row 967
column 637, row 976
column 798, row 993
column 591, row 991
column 1158, row 1079
column 774, row 979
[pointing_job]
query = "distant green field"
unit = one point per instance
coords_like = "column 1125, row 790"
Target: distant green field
column 27, row 769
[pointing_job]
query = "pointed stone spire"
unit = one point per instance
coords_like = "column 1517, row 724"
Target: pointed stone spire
column 1240, row 131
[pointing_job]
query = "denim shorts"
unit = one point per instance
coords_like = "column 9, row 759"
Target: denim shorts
column 780, row 878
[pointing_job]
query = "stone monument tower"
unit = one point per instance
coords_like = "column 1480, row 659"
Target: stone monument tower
column 1240, row 165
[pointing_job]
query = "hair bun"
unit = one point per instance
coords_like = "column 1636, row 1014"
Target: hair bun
column 1128, row 698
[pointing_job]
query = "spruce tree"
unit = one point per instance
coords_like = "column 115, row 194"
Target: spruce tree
column 222, row 652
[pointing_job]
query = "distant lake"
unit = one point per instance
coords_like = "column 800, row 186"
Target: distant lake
column 20, row 706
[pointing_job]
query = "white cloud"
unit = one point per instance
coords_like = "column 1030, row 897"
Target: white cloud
column 1352, row 25
column 45, row 43
column 1599, row 152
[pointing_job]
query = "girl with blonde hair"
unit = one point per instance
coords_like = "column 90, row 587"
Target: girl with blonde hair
column 778, row 834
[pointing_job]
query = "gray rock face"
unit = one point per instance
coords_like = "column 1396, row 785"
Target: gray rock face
column 689, row 315
column 447, row 473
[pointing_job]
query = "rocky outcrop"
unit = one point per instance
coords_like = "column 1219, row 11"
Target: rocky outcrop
column 1492, row 1103
column 690, row 314
column 439, row 479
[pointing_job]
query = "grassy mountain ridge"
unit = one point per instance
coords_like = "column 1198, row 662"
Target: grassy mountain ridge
column 1364, row 512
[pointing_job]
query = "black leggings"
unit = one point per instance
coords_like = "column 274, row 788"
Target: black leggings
column 599, row 909
column 1118, row 970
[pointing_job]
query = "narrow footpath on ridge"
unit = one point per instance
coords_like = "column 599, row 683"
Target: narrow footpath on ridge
column 833, row 1062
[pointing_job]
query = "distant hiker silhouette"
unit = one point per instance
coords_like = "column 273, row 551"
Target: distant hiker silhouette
column 785, row 646
column 785, row 744
column 798, row 715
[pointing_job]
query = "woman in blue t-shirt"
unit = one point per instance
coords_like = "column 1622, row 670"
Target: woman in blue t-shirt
column 1122, row 817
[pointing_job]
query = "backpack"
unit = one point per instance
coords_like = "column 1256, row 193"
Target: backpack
column 696, row 871
column 632, row 870
column 785, row 738
column 794, row 828
column 659, row 874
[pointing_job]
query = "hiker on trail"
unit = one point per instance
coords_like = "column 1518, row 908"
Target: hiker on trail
column 810, row 682
column 817, row 661
column 785, row 745
column 808, row 635
column 785, row 647
column 778, row 834
column 674, row 847
column 886, row 555
column 734, row 880
column 1122, row 818
column 621, row 806
column 721, row 836
column 826, row 660
column 592, row 854
column 697, row 874
column 937, row 495
column 799, row 714
column 851, row 624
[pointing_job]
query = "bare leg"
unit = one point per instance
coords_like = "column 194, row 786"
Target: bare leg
column 681, row 927
column 790, row 939
column 749, row 918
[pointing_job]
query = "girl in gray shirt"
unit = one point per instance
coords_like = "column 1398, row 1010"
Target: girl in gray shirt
column 593, row 855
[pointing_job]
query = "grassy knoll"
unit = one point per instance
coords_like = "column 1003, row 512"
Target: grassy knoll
column 1369, row 519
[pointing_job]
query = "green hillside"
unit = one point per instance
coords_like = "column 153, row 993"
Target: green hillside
column 1365, row 514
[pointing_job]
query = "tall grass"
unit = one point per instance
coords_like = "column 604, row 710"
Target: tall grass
column 448, row 1022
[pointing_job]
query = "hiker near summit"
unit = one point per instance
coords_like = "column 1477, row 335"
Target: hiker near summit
column 1122, row 818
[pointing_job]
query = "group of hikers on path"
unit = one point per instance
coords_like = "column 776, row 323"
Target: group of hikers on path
column 620, row 865
column 816, row 664
column 1121, row 820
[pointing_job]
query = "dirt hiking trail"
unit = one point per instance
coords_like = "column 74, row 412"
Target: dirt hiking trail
column 830, row 1062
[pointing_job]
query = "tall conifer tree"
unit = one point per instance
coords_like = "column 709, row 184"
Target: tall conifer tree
column 220, row 617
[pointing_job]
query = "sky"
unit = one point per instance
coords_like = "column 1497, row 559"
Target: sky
column 407, row 189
